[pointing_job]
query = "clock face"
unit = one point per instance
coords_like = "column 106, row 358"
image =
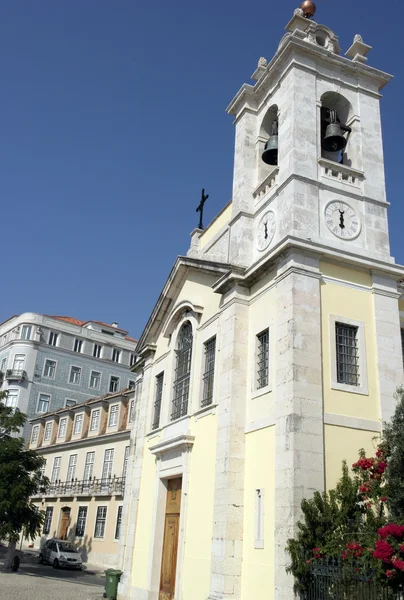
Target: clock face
column 266, row 230
column 342, row 220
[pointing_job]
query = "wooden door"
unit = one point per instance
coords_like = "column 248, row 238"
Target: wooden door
column 170, row 542
column 64, row 523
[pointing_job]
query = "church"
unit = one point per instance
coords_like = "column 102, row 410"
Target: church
column 274, row 350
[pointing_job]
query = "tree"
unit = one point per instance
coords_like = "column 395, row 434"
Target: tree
column 20, row 479
column 393, row 441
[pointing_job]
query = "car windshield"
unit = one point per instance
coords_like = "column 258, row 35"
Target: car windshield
column 66, row 547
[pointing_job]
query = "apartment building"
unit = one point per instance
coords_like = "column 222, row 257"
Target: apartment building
column 52, row 362
column 86, row 447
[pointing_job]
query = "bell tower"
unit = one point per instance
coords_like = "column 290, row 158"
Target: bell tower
column 308, row 149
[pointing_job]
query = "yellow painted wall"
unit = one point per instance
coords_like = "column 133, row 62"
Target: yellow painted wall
column 198, row 537
column 220, row 221
column 258, row 565
column 357, row 305
column 343, row 443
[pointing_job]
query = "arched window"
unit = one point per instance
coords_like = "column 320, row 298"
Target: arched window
column 182, row 371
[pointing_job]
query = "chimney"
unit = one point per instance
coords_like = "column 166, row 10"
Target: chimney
column 114, row 324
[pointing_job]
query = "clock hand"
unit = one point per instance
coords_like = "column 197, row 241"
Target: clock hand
column 341, row 219
column 266, row 231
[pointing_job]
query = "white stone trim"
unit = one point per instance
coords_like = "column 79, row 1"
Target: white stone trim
column 205, row 411
column 260, row 424
column 348, row 284
column 363, row 374
column 352, row 422
column 180, row 442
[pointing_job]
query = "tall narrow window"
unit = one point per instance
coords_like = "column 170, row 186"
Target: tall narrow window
column 62, row 427
column 71, row 469
column 81, row 521
column 48, row 431
column 347, row 354
column 95, row 380
column 35, row 433
column 118, row 523
column 56, row 469
column 78, row 423
column 131, row 410
column 4, row 364
column 113, row 415
column 78, row 345
column 95, row 420
column 131, row 360
column 49, row 368
column 89, row 466
column 43, row 403
column 53, row 338
column 182, row 372
column 116, row 355
column 100, row 522
column 209, row 372
column 12, row 399
column 19, row 363
column 113, row 384
column 108, row 463
column 125, row 462
column 75, row 375
column 97, row 350
column 48, row 520
column 26, row 332
column 157, row 401
column 262, row 359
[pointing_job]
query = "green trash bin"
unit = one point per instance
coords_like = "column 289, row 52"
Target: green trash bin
column 112, row 577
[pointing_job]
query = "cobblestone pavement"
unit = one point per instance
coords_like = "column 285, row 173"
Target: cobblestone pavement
column 37, row 582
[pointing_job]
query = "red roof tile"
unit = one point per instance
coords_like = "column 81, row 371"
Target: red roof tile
column 81, row 323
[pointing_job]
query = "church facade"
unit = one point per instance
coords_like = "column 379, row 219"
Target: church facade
column 274, row 350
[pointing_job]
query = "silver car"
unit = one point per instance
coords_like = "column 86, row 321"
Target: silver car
column 60, row 553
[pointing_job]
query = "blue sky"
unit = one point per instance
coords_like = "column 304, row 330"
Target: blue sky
column 113, row 119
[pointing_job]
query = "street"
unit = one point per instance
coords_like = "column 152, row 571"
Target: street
column 41, row 582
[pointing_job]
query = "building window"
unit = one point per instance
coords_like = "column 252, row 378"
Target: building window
column 116, row 355
column 69, row 403
column 132, row 359
column 131, row 410
column 48, row 520
column 42, row 469
column 4, row 364
column 262, row 359
column 49, row 368
column 53, row 338
column 19, row 362
column 48, row 431
column 259, row 519
column 26, row 332
column 62, row 427
column 71, row 469
column 97, row 350
column 95, row 420
column 56, row 469
column 43, row 403
column 182, row 372
column 81, row 521
column 35, row 434
column 75, row 375
column 131, row 384
column 209, row 372
column 125, row 462
column 108, row 464
column 157, row 401
column 78, row 345
column 78, row 424
column 95, row 380
column 347, row 354
column 100, row 522
column 113, row 384
column 12, row 398
column 118, row 522
column 89, row 466
column 113, row 415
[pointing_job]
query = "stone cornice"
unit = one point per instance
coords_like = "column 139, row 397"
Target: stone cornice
column 108, row 438
column 178, row 443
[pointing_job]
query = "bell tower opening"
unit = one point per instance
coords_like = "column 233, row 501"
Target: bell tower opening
column 336, row 116
column 268, row 144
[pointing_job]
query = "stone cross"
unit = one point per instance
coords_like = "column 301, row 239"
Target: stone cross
column 200, row 208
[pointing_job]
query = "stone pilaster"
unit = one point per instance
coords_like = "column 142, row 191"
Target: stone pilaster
column 228, row 516
column 298, row 402
column 388, row 342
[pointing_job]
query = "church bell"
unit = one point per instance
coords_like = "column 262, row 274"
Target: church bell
column 270, row 154
column 334, row 140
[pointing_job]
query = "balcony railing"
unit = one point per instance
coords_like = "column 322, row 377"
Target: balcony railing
column 110, row 486
column 16, row 374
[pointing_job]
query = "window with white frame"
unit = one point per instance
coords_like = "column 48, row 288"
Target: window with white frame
column 209, row 371
column 95, row 380
column 348, row 355
column 182, row 371
column 48, row 432
column 95, row 420
column 56, row 469
column 42, row 469
column 71, row 468
column 43, row 403
column 19, row 362
column 108, row 464
column 113, row 384
column 89, row 466
column 97, row 348
column 69, row 403
column 347, row 350
column 116, row 355
column 157, row 401
column 3, row 364
column 75, row 375
column 131, row 410
column 49, row 369
column 259, row 519
column 48, row 520
column 262, row 360
column 26, row 332
column 62, row 427
column 35, row 434
column 78, row 345
column 125, row 461
column 132, row 359
column 53, row 338
column 11, row 399
column 118, row 522
column 78, row 423
column 113, row 415
column 100, row 522
column 81, row 521
column 131, row 384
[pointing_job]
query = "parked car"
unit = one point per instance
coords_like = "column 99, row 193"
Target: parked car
column 60, row 553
